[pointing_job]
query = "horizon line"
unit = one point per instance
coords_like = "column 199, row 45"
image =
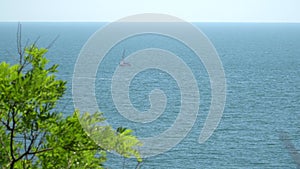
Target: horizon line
column 96, row 21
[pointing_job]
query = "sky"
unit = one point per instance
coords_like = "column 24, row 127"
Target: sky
column 188, row 10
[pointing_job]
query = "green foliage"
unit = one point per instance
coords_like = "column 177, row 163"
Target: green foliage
column 32, row 135
column 121, row 141
column 26, row 98
column 4, row 147
column 72, row 148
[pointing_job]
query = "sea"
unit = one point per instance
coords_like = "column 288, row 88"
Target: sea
column 260, row 124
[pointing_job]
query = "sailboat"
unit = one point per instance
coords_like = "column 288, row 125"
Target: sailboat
column 122, row 62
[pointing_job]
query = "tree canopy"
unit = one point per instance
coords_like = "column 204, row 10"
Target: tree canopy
column 34, row 135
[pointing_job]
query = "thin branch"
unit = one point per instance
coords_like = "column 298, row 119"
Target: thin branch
column 52, row 42
column 6, row 125
column 11, row 146
column 35, row 42
column 41, row 140
column 32, row 140
column 8, row 119
column 38, row 145
column 21, row 50
column 40, row 151
column 25, row 143
column 24, row 49
column 19, row 42
column 139, row 164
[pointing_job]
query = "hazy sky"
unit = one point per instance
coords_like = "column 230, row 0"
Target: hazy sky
column 189, row 10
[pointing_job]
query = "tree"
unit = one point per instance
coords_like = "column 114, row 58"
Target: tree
column 33, row 135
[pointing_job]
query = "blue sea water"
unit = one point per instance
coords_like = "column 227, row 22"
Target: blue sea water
column 262, row 67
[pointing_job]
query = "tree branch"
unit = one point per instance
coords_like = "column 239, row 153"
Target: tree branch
column 6, row 125
column 11, row 146
column 40, row 151
column 19, row 42
column 52, row 43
